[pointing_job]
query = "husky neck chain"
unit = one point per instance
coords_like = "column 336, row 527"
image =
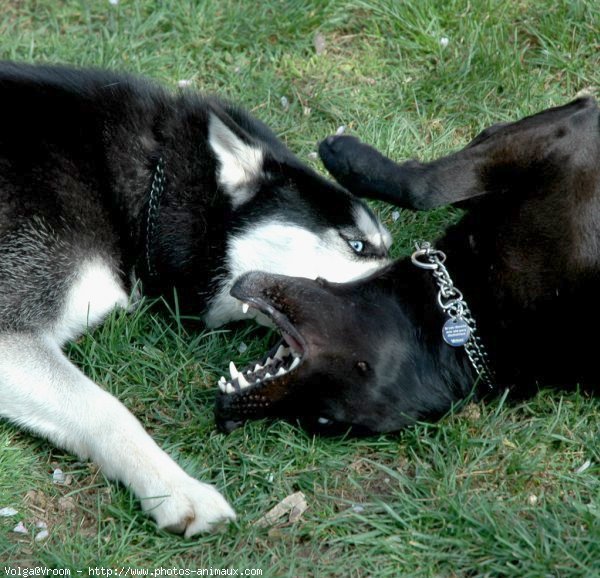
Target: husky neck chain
column 156, row 191
column 460, row 329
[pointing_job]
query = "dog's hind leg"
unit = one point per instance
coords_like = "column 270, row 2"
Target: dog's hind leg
column 40, row 390
column 515, row 157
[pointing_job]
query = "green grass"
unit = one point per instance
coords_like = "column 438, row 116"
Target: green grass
column 493, row 491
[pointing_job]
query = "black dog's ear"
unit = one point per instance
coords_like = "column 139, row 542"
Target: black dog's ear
column 501, row 158
column 240, row 160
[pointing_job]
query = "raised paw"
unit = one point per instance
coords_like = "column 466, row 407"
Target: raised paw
column 355, row 165
column 338, row 153
column 189, row 507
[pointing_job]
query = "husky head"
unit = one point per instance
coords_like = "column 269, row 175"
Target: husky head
column 286, row 218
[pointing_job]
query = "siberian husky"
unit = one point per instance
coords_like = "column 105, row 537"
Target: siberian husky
column 106, row 179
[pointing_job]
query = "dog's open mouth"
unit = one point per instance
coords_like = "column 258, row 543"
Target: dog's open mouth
column 280, row 361
column 250, row 392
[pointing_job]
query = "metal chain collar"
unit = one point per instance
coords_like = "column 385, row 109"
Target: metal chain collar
column 156, row 191
column 460, row 329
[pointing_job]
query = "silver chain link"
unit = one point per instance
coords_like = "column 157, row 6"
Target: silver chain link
column 453, row 304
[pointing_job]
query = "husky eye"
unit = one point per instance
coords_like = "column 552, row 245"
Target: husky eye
column 358, row 246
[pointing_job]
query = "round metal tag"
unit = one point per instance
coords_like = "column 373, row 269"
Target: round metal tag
column 456, row 332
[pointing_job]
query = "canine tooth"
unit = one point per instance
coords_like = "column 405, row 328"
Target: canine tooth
column 222, row 387
column 233, row 370
column 280, row 371
column 257, row 367
column 267, row 375
column 245, row 308
column 242, row 381
column 282, row 352
column 268, row 362
column 295, row 363
column 229, row 388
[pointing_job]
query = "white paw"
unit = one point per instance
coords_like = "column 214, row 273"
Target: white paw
column 189, row 507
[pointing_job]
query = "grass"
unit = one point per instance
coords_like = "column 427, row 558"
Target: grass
column 497, row 490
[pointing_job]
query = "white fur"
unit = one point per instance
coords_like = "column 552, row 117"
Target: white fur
column 286, row 249
column 43, row 392
column 95, row 292
column 240, row 164
column 372, row 229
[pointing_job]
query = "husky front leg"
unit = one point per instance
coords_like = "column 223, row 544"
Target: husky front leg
column 550, row 145
column 40, row 390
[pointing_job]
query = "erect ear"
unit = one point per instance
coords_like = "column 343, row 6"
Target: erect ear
column 240, row 161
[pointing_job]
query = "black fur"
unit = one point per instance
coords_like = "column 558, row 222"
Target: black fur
column 106, row 179
column 526, row 256
column 77, row 152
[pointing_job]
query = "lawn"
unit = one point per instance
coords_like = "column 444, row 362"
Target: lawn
column 500, row 489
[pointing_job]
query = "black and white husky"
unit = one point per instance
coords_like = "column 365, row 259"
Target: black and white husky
column 106, row 179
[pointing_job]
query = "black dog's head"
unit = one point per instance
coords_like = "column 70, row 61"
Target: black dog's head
column 351, row 357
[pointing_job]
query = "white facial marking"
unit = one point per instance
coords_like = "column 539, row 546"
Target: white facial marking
column 372, row 229
column 95, row 292
column 240, row 163
column 286, row 249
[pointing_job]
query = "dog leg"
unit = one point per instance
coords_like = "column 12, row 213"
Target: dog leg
column 40, row 390
column 503, row 157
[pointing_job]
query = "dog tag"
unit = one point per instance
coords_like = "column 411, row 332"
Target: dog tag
column 456, row 332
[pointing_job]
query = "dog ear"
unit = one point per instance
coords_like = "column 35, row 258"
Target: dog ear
column 240, row 161
column 501, row 158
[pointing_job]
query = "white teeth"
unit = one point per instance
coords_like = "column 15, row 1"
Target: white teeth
column 233, row 370
column 324, row 421
column 267, row 375
column 245, row 308
column 280, row 371
column 269, row 360
column 222, row 387
column 282, row 352
column 222, row 380
column 257, row 367
column 229, row 388
column 242, row 381
column 295, row 363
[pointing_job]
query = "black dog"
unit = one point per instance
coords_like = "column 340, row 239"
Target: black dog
column 526, row 257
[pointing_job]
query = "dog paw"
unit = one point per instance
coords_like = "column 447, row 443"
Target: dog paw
column 353, row 164
column 189, row 508
column 338, row 154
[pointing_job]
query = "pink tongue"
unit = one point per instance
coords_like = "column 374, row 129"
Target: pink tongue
column 293, row 343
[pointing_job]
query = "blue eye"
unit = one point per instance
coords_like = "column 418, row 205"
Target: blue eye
column 358, row 246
